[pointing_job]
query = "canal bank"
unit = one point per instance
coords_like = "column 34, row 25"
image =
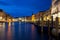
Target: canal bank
column 48, row 29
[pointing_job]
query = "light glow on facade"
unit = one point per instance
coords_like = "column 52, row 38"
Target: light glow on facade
column 0, row 18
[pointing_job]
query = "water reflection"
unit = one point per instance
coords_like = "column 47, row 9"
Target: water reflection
column 2, row 31
column 9, row 35
column 19, row 31
column 33, row 33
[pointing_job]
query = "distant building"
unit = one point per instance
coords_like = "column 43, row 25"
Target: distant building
column 28, row 18
column 33, row 17
column 4, row 16
column 55, row 8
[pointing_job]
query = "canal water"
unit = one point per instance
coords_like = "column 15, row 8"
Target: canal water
column 21, row 31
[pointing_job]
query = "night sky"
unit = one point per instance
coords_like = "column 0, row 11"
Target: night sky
column 17, row 8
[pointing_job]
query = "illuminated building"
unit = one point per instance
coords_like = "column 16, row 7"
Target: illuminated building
column 33, row 17
column 4, row 17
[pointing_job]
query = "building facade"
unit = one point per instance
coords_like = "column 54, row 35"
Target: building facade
column 4, row 17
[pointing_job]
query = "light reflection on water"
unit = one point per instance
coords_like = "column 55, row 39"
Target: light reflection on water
column 18, row 31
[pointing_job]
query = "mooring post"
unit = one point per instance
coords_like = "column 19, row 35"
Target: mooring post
column 56, row 26
column 51, row 21
column 49, row 30
column 42, row 27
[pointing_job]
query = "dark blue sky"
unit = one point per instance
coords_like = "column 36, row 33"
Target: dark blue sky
column 18, row 8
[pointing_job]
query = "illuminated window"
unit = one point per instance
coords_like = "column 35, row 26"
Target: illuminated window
column 0, row 18
column 58, row 14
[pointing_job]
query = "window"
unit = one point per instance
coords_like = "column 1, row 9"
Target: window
column 0, row 18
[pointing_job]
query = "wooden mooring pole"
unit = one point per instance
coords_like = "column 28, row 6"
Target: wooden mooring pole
column 42, row 28
column 49, row 37
column 56, row 27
